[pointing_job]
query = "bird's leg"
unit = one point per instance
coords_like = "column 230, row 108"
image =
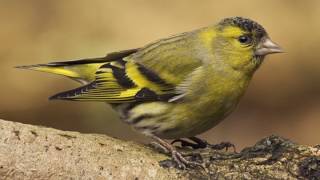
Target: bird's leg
column 220, row 146
column 176, row 156
column 199, row 144
column 185, row 143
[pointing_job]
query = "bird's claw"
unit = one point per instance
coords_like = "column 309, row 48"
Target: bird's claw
column 223, row 145
column 180, row 161
column 183, row 163
column 201, row 144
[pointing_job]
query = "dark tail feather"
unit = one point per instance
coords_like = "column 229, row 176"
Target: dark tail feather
column 82, row 70
column 73, row 94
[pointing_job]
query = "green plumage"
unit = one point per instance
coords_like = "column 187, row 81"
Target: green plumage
column 175, row 87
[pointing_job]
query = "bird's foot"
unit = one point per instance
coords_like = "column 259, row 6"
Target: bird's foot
column 178, row 160
column 201, row 144
column 182, row 162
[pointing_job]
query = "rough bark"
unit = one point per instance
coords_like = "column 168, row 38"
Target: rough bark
column 33, row 152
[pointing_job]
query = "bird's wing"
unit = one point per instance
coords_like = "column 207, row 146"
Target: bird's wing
column 118, row 83
column 151, row 74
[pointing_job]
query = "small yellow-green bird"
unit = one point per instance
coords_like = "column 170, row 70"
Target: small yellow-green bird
column 176, row 87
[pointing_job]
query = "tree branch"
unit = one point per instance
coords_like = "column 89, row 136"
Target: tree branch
column 33, row 152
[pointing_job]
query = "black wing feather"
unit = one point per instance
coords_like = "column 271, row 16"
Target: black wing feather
column 114, row 56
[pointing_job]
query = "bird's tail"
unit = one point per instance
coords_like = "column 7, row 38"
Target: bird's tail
column 82, row 70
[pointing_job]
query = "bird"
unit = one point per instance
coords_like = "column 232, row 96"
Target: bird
column 176, row 87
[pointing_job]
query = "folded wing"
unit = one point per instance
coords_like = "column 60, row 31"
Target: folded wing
column 122, row 81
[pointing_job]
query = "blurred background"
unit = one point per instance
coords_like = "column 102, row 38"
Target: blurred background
column 283, row 98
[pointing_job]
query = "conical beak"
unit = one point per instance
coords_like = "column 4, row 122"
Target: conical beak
column 267, row 47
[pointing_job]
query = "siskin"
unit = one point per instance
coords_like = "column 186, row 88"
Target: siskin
column 177, row 87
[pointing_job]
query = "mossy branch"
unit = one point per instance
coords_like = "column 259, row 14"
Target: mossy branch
column 33, row 152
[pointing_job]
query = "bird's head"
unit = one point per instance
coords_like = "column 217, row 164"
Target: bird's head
column 242, row 43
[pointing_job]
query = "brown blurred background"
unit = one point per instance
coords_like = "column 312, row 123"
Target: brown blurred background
column 283, row 98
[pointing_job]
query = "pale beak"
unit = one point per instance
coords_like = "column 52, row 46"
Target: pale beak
column 267, row 47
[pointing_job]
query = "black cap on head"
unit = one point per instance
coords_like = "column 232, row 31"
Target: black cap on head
column 245, row 24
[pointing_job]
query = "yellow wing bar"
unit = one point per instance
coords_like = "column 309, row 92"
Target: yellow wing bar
column 121, row 82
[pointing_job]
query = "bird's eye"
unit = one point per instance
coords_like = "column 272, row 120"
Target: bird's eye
column 245, row 39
